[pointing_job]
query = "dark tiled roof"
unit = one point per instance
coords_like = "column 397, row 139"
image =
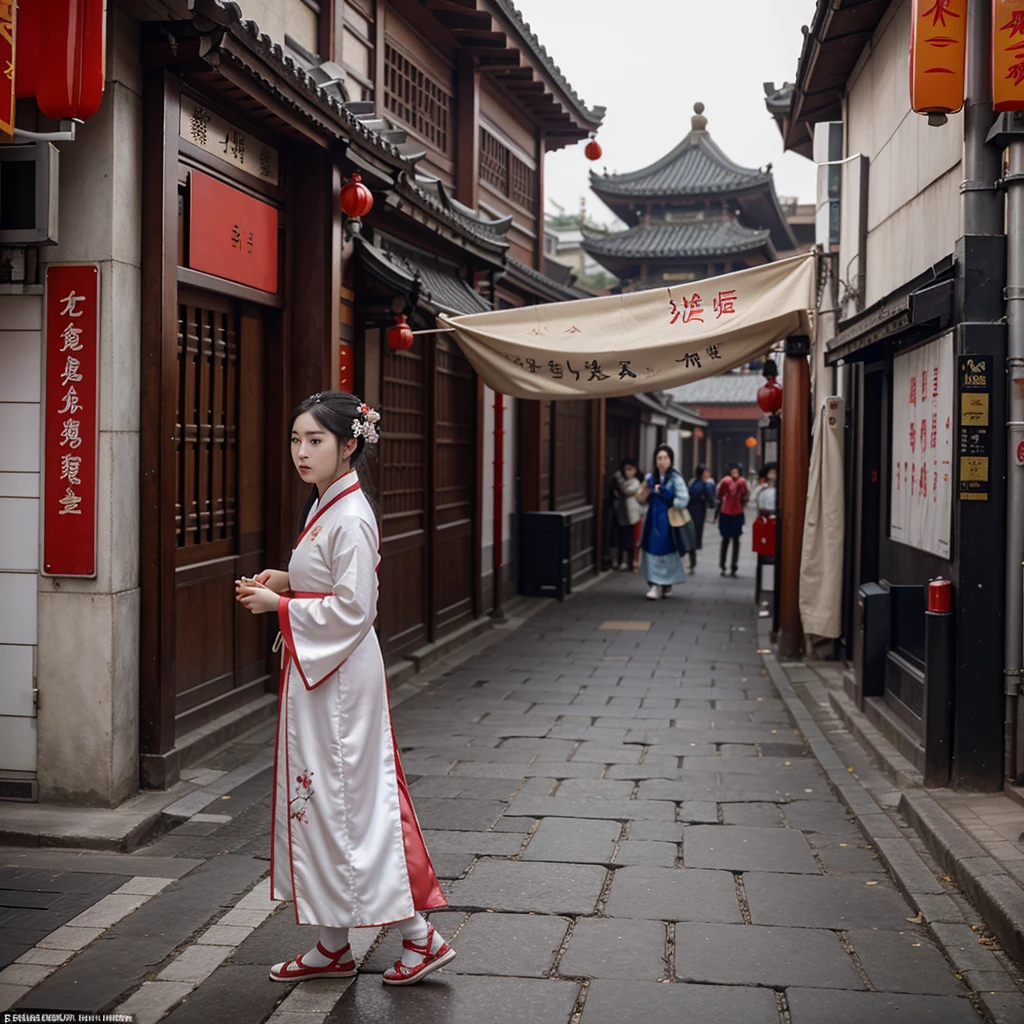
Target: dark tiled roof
column 592, row 115
column 726, row 389
column 550, row 288
column 696, row 167
column 666, row 241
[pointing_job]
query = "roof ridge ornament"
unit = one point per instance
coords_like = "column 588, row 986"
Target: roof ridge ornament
column 698, row 123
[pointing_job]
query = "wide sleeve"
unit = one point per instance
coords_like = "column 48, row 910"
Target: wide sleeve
column 321, row 632
column 681, row 497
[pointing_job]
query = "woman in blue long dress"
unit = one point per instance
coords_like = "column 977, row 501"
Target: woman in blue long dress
column 662, row 543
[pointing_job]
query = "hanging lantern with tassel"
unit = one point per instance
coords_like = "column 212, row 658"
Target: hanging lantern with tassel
column 356, row 198
column 593, row 148
column 400, row 337
column 769, row 394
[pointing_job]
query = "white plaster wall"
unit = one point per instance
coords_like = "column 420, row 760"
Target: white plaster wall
column 277, row 17
column 20, row 395
column 914, row 177
column 509, row 496
column 88, row 663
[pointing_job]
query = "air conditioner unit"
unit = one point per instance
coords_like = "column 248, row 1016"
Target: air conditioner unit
column 29, row 177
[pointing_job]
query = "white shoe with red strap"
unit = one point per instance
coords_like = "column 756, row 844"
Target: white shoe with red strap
column 341, row 966
column 430, row 960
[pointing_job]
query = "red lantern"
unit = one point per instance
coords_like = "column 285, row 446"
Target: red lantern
column 751, row 442
column 769, row 394
column 70, row 57
column 593, row 148
column 356, row 198
column 400, row 337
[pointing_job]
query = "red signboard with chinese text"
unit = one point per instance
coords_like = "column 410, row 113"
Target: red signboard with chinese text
column 346, row 367
column 1008, row 54
column 231, row 234
column 8, row 22
column 70, row 449
column 938, row 35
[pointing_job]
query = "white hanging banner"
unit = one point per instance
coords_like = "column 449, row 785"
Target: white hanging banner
column 921, row 488
column 642, row 341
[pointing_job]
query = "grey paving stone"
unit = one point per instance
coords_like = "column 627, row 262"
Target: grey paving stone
column 673, row 894
column 744, row 848
column 467, row 815
column 132, row 948
column 513, row 824
column 573, row 840
column 243, row 995
column 760, row 814
column 822, row 901
column 726, row 954
column 457, row 999
column 458, row 787
column 904, row 961
column 595, row 789
column 451, row 865
column 645, row 851
column 619, row 1002
column 490, row 843
column 615, row 948
column 849, row 856
column 662, row 831
column 605, row 754
column 620, row 810
column 520, row 887
column 698, row 812
column 509, row 945
column 812, row 1006
column 814, row 816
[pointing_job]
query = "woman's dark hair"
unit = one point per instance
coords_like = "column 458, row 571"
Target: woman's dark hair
column 335, row 411
column 628, row 462
column 698, row 472
column 671, row 459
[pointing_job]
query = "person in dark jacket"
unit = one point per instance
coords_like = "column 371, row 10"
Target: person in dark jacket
column 702, row 497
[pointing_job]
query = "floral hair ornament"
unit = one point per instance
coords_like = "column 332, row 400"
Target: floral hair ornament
column 365, row 424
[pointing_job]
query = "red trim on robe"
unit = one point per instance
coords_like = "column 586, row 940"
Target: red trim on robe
column 277, row 745
column 286, row 633
column 321, row 511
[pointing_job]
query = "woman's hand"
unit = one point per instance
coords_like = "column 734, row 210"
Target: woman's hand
column 254, row 596
column 274, row 579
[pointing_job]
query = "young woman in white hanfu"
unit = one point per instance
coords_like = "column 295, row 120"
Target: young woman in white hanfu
column 346, row 846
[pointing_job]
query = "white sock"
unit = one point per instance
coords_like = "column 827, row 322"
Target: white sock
column 332, row 939
column 415, row 929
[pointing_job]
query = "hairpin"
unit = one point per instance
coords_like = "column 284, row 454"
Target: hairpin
column 365, row 425
column 316, row 398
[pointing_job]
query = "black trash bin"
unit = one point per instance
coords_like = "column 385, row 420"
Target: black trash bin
column 544, row 555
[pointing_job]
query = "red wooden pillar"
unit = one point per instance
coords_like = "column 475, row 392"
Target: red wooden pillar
column 793, row 471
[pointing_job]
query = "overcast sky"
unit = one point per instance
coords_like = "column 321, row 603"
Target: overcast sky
column 649, row 61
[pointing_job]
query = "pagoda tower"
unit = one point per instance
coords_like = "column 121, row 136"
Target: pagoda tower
column 692, row 214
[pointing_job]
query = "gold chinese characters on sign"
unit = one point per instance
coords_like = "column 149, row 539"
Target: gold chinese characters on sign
column 227, row 143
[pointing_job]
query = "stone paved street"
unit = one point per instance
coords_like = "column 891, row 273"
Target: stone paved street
column 627, row 825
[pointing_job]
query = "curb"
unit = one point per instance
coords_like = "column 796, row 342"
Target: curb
column 977, row 965
column 995, row 893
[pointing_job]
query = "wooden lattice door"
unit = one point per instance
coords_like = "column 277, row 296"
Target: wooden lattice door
column 220, row 650
column 454, row 491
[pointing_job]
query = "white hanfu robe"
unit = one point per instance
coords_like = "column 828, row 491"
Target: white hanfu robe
column 346, row 845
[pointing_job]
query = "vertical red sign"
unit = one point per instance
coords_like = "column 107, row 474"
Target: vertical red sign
column 71, row 432
column 346, row 369
column 8, row 22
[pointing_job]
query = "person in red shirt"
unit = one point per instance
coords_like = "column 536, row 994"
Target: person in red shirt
column 732, row 494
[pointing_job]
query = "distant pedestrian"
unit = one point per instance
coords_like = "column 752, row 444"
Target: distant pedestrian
column 732, row 495
column 663, row 541
column 626, row 485
column 702, row 498
column 345, row 846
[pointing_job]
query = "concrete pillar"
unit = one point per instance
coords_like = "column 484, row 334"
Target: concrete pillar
column 88, row 629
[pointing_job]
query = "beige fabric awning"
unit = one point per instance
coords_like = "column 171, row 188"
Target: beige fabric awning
column 643, row 341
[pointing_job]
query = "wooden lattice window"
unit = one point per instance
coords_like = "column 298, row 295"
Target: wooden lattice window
column 207, row 427
column 507, row 173
column 523, row 183
column 493, row 162
column 416, row 99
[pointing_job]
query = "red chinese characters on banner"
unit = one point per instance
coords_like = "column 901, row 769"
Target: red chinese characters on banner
column 71, row 423
column 937, row 49
column 1008, row 54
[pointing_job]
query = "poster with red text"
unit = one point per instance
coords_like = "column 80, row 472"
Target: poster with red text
column 71, row 417
column 921, row 476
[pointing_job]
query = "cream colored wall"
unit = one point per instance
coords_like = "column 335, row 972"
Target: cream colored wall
column 913, row 187
column 277, row 17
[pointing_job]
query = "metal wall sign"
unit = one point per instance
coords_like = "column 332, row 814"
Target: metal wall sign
column 71, row 420
column 226, row 142
column 975, row 430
